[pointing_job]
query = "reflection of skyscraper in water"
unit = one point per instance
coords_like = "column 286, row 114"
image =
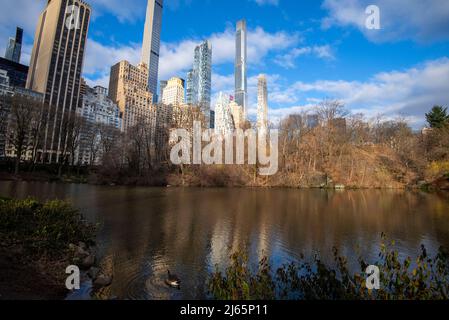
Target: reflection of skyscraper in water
column 199, row 79
column 241, row 84
column 152, row 42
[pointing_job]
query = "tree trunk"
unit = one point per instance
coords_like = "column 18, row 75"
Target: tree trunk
column 18, row 157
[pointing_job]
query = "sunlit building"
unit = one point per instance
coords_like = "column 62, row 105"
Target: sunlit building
column 173, row 93
column 128, row 88
column 162, row 85
column 262, row 105
column 100, row 117
column 237, row 115
column 55, row 69
column 224, row 123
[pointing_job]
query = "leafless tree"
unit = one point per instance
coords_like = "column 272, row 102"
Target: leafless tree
column 25, row 112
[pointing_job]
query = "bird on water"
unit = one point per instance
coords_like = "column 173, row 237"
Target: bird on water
column 173, row 280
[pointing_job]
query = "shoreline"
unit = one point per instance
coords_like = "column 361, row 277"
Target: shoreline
column 425, row 187
column 37, row 245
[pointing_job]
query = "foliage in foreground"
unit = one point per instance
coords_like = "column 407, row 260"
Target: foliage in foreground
column 43, row 227
column 424, row 278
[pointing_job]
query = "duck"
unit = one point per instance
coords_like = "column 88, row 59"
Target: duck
column 173, row 280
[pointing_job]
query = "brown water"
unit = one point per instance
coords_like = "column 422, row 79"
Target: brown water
column 149, row 230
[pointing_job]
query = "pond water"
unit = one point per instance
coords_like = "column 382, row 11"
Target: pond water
column 145, row 231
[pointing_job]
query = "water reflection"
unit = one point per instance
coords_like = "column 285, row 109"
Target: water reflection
column 149, row 230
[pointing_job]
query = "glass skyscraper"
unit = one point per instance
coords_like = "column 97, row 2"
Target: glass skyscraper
column 199, row 79
column 14, row 49
column 152, row 42
column 241, row 83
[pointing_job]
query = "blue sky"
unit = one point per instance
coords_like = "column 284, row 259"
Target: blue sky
column 308, row 49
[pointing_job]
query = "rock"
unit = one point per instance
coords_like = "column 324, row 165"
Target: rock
column 340, row 187
column 93, row 273
column 88, row 261
column 421, row 183
column 103, row 281
column 81, row 253
column 442, row 183
column 92, row 249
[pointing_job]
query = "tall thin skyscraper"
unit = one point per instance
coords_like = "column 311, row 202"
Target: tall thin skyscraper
column 152, row 42
column 14, row 49
column 241, row 83
column 262, row 104
column 56, row 66
column 199, row 79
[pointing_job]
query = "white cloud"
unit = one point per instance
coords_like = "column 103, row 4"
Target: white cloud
column 177, row 58
column 288, row 60
column 26, row 18
column 420, row 20
column 99, row 59
column 410, row 93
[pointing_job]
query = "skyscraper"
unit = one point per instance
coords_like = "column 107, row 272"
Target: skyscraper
column 17, row 72
column 224, row 124
column 128, row 88
column 5, row 90
column 192, row 88
column 56, row 66
column 98, row 110
column 241, row 83
column 237, row 114
column 162, row 85
column 199, row 79
column 152, row 42
column 14, row 49
column 173, row 93
column 262, row 104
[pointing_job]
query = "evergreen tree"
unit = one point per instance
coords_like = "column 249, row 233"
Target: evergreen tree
column 437, row 117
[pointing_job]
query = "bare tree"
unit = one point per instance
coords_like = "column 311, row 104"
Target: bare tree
column 4, row 114
column 71, row 127
column 24, row 113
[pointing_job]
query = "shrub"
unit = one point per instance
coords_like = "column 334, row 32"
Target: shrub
column 424, row 278
column 437, row 169
column 47, row 227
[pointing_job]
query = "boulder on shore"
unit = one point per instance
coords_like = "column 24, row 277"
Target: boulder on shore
column 103, row 281
column 93, row 273
column 442, row 183
column 88, row 261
